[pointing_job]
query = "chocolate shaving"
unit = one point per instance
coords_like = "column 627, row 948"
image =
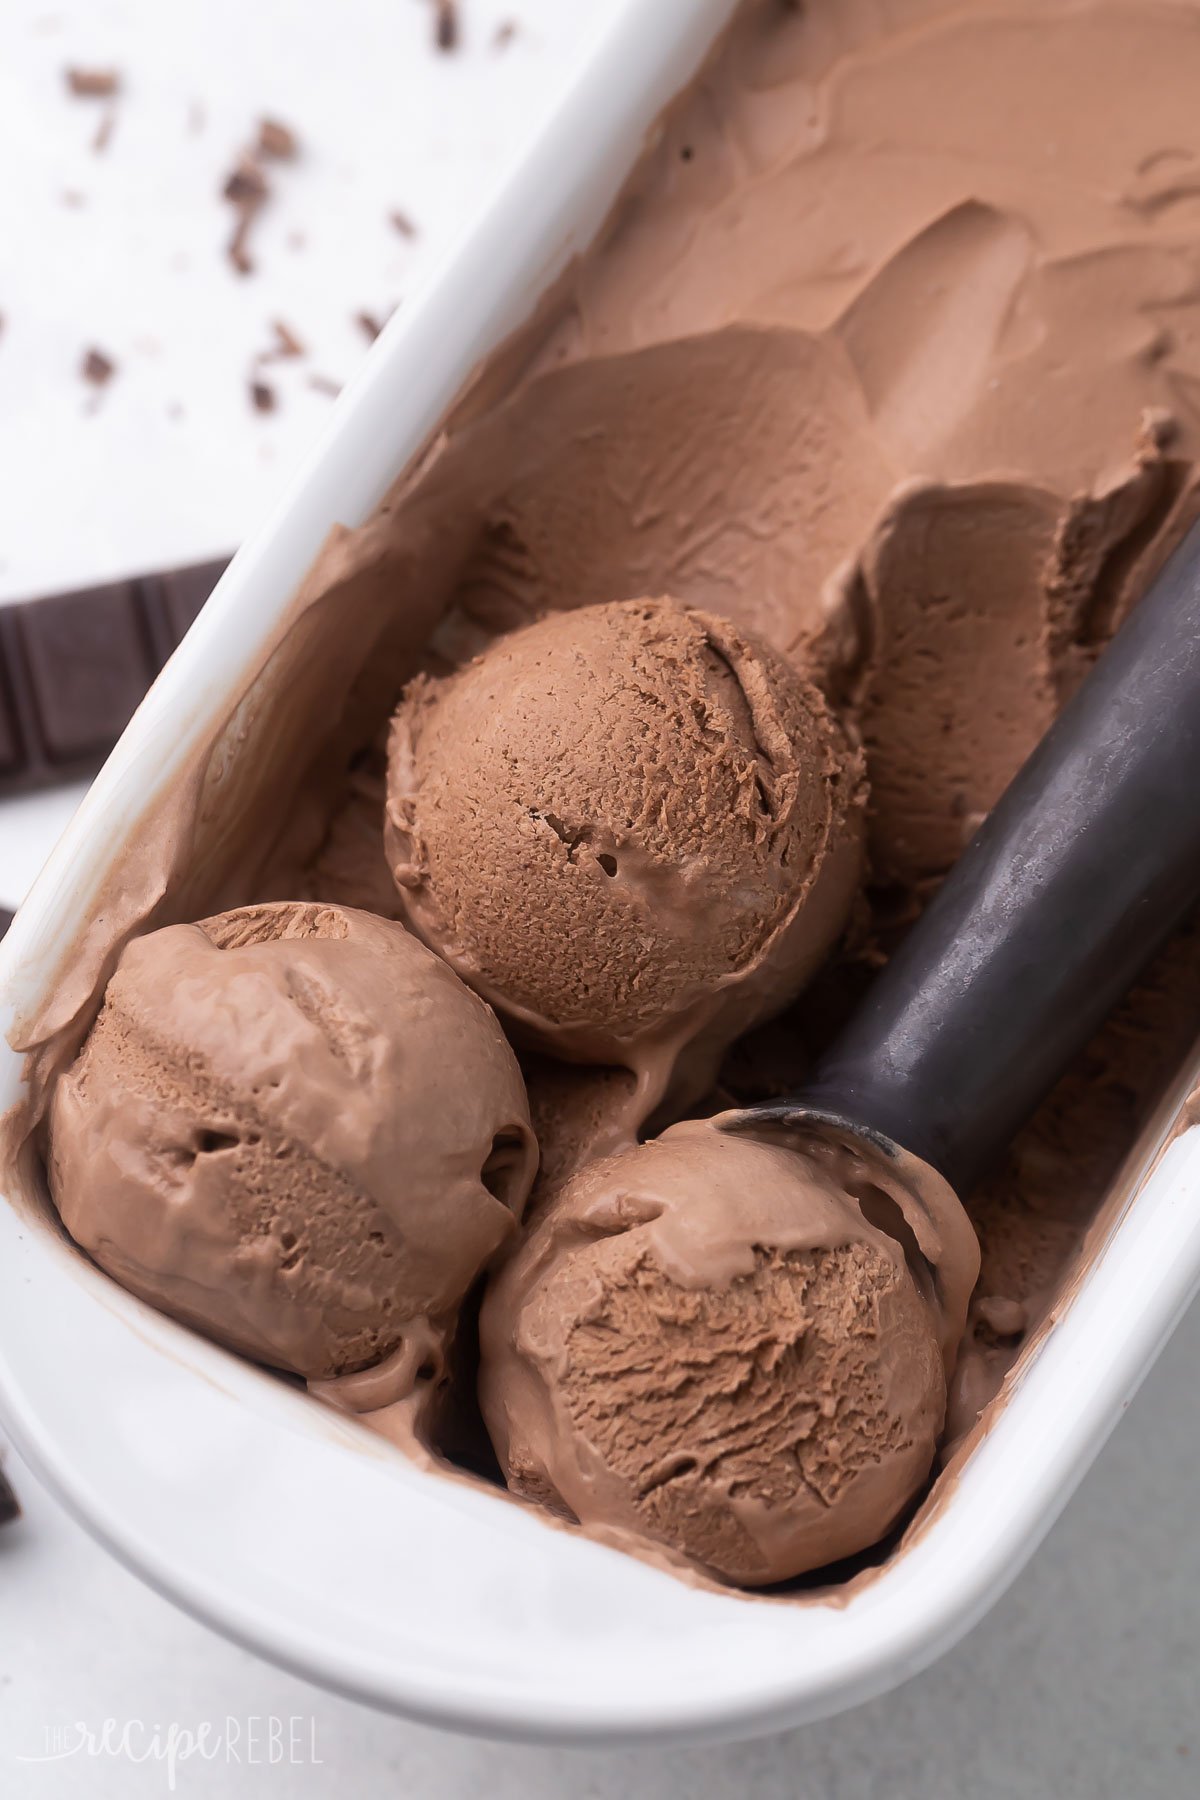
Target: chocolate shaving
column 102, row 136
column 286, row 343
column 369, row 325
column 402, row 223
column 93, row 84
column 97, row 368
column 262, row 396
column 322, row 384
column 277, row 141
column 247, row 182
column 239, row 256
column 445, row 26
column 505, row 32
column 246, row 189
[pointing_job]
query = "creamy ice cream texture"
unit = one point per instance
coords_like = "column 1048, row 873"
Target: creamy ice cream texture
column 294, row 1128
column 889, row 356
column 631, row 828
column 720, row 1345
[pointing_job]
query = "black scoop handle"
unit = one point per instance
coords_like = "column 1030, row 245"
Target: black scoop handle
column 1089, row 859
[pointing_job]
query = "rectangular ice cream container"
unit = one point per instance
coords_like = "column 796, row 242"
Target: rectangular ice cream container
column 297, row 1532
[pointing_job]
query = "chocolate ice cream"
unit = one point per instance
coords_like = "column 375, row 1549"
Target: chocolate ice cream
column 720, row 1345
column 294, row 1128
column 632, row 828
column 889, row 355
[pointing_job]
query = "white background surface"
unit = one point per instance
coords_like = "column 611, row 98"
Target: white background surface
column 1086, row 1679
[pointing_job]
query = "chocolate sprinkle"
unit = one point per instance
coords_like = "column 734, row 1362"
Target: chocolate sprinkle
column 246, row 188
column 286, row 343
column 97, row 368
column 102, row 136
column 263, row 396
column 93, row 84
column 446, row 25
column 277, row 140
column 247, row 182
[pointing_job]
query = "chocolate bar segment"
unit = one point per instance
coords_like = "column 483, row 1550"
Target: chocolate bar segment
column 89, row 662
column 73, row 668
column 182, row 593
column 10, row 742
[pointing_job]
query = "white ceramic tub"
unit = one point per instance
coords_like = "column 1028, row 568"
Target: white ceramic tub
column 298, row 1533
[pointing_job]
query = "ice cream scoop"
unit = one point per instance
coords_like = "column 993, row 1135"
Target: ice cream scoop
column 1080, row 872
column 732, row 1348
column 294, row 1128
column 725, row 1340
column 631, row 828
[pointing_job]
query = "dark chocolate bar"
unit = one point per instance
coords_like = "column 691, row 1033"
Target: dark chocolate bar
column 73, row 668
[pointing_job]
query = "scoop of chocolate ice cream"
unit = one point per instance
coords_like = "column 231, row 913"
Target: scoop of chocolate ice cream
column 734, row 1348
column 294, row 1128
column 630, row 827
